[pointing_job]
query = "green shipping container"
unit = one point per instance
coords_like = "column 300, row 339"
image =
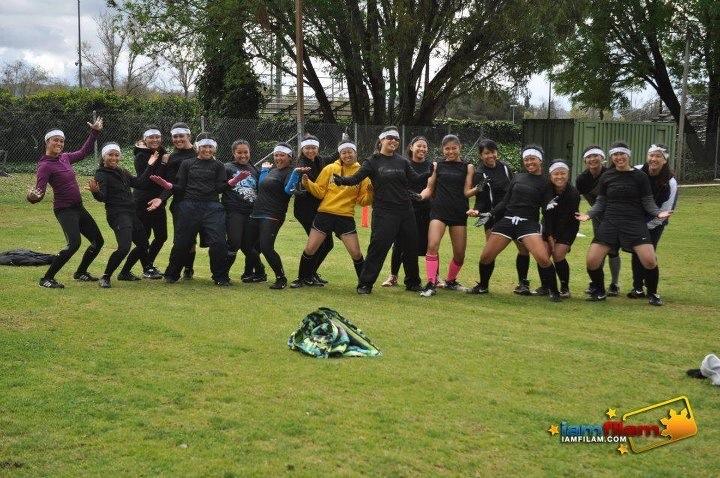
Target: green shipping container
column 566, row 138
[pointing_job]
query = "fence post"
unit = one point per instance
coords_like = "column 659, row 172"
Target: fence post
column 717, row 150
column 95, row 154
column 355, row 134
column 202, row 123
column 402, row 139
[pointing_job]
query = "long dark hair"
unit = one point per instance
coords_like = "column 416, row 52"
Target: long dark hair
column 662, row 180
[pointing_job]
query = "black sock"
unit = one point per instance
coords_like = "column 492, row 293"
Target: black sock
column 563, row 272
column 652, row 277
column 190, row 262
column 486, row 271
column 597, row 277
column 307, row 266
column 522, row 264
column 358, row 264
column 638, row 272
column 547, row 277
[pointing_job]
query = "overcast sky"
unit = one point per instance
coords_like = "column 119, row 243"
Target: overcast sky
column 44, row 33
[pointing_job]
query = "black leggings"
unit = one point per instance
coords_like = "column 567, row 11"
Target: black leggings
column 155, row 223
column 239, row 239
column 306, row 218
column 263, row 233
column 386, row 227
column 128, row 229
column 76, row 221
column 422, row 219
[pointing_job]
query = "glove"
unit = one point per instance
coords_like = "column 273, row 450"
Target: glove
column 552, row 204
column 483, row 219
column 415, row 196
column 166, row 185
column 481, row 185
column 232, row 182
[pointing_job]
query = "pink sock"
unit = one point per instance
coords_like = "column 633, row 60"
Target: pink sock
column 453, row 270
column 431, row 268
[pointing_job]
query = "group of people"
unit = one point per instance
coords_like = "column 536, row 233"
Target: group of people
column 234, row 207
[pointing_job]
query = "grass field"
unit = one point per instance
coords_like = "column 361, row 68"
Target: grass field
column 190, row 379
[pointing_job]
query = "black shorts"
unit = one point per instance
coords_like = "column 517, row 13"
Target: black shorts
column 564, row 238
column 329, row 223
column 515, row 232
column 623, row 235
column 450, row 221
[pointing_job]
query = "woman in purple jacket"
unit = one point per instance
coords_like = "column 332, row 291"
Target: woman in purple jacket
column 55, row 168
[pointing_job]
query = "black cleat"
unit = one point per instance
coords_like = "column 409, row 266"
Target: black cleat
column 363, row 289
column 597, row 295
column 541, row 291
column 429, row 290
column 152, row 273
column 105, row 282
column 84, row 277
column 317, row 278
column 259, row 278
column 636, row 294
column 188, row 274
column 50, row 284
column 523, row 288
column 128, row 276
column 613, row 290
column 414, row 288
column 222, row 283
column 654, row 299
column 280, row 283
column 455, row 285
column 171, row 280
column 554, row 296
column 247, row 277
column 478, row 290
column 564, row 292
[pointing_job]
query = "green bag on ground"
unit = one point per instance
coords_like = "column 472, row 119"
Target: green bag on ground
column 325, row 333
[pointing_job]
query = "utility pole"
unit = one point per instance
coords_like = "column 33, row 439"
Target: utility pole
column 79, row 62
column 683, row 106
column 549, row 95
column 299, row 68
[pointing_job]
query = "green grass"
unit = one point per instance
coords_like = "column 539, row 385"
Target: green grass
column 190, row 379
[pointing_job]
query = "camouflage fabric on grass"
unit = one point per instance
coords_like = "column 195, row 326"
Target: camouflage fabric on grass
column 325, row 333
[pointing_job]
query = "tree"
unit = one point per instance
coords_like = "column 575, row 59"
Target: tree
column 185, row 66
column 22, row 79
column 645, row 40
column 383, row 49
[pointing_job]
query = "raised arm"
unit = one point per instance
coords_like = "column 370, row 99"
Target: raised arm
column 364, row 172
column 320, row 186
column 87, row 148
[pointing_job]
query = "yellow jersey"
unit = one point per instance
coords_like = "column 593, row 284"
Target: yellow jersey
column 339, row 200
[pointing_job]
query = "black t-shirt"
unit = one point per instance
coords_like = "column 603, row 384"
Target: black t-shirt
column 560, row 220
column 201, row 179
column 272, row 201
column 449, row 201
column 586, row 184
column 391, row 177
column 242, row 197
column 623, row 191
column 526, row 194
column 498, row 182
column 171, row 170
column 115, row 184
column 424, row 170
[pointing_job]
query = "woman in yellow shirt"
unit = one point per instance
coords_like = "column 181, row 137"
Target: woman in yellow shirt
column 335, row 213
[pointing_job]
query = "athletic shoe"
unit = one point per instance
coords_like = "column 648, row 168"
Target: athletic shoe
column 554, row 296
column 455, row 285
column 523, row 288
column 564, row 293
column 613, row 290
column 654, row 299
column 152, row 273
column 222, row 283
column 478, row 290
column 84, row 277
column 297, row 283
column 319, row 279
column 429, row 290
column 440, row 284
column 247, row 277
column 540, row 291
column 105, row 282
column 280, row 283
column 636, row 294
column 127, row 276
column 590, row 289
column 391, row 281
column 259, row 278
column 315, row 281
column 188, row 274
column 597, row 295
column 50, row 284
column 414, row 288
column 364, row 289
column 171, row 280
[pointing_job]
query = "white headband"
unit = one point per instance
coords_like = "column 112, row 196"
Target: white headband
column 206, row 142
column 346, row 146
column 392, row 132
column 151, row 132
column 620, row 150
column 597, row 151
column 310, row 142
column 175, row 131
column 55, row 132
column 558, row 165
column 110, row 147
column 654, row 148
column 532, row 152
column 282, row 149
